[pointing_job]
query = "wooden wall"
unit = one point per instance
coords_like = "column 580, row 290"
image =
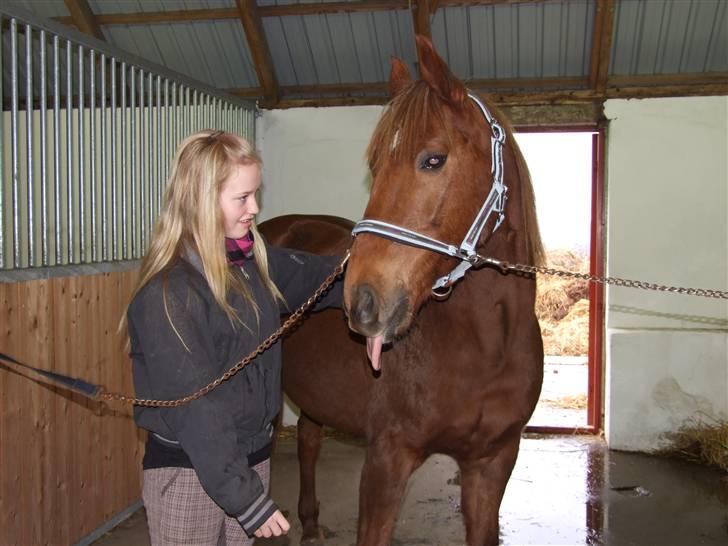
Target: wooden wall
column 67, row 464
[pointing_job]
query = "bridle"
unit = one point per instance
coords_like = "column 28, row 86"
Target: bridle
column 495, row 202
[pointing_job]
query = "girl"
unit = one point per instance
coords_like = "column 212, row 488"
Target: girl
column 210, row 290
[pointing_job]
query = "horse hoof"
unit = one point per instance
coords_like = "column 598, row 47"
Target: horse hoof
column 312, row 536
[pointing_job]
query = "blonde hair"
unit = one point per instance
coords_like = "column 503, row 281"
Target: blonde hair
column 191, row 218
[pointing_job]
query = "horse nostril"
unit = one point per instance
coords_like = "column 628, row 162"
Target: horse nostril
column 364, row 310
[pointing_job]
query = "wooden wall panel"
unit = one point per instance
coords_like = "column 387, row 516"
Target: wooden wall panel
column 67, row 464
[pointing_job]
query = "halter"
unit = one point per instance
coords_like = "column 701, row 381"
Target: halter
column 495, row 202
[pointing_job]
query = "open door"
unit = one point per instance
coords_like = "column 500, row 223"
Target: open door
column 567, row 171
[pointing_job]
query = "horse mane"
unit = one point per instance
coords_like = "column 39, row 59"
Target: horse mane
column 406, row 119
column 536, row 255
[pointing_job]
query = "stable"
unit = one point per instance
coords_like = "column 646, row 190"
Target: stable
column 98, row 94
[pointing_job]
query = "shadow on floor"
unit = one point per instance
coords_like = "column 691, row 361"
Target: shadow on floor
column 563, row 491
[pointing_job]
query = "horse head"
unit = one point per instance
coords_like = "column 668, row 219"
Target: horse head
column 432, row 164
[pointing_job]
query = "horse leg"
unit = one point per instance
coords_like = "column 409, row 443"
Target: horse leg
column 483, row 483
column 310, row 434
column 386, row 470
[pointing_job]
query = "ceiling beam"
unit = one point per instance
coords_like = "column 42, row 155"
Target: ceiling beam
column 191, row 15
column 421, row 18
column 601, row 45
column 84, row 18
column 317, row 8
column 171, row 16
column 551, row 92
column 694, row 78
column 259, row 50
column 653, row 91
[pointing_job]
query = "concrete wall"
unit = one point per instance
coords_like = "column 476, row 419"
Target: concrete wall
column 667, row 179
column 313, row 160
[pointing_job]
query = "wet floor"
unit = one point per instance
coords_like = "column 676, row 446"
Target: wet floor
column 564, row 491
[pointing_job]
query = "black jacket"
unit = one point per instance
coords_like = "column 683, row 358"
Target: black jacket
column 181, row 340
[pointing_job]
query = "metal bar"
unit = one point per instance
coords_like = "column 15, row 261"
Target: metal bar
column 148, row 163
column 104, row 177
column 58, row 220
column 114, row 207
column 14, row 138
column 29, row 144
column 186, row 128
column 200, row 113
column 2, row 160
column 142, row 166
column 209, row 122
column 123, row 136
column 172, row 143
column 159, row 156
column 70, row 235
column 196, row 111
column 81, row 159
column 167, row 141
column 132, row 146
column 43, row 150
column 92, row 153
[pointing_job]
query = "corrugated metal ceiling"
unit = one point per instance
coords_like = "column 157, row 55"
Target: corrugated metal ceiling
column 530, row 41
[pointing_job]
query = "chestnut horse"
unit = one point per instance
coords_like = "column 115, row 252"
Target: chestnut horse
column 460, row 376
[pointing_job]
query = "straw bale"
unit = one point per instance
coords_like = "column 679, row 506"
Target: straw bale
column 702, row 442
column 556, row 295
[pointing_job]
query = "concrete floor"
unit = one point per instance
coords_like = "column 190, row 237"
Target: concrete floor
column 564, row 490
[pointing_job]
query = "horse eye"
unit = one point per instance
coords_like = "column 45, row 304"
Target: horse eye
column 434, row 162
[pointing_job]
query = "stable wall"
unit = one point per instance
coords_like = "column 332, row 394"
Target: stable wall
column 667, row 180
column 67, row 464
column 314, row 160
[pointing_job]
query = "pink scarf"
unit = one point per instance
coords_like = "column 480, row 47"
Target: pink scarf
column 239, row 250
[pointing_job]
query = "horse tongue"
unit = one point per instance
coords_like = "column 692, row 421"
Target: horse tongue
column 374, row 350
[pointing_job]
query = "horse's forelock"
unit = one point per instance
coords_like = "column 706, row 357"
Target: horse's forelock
column 400, row 130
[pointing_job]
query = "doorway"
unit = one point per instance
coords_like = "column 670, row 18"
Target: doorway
column 566, row 170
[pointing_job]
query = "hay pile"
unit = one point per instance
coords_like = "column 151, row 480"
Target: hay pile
column 572, row 402
column 701, row 442
column 562, row 306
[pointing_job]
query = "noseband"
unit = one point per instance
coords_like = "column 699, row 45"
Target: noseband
column 495, row 202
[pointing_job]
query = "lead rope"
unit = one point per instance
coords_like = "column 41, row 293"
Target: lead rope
column 294, row 319
column 506, row 267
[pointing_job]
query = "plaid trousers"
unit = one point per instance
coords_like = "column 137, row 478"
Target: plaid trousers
column 180, row 512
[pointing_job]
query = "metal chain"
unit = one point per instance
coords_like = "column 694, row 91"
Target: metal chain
column 263, row 347
column 616, row 281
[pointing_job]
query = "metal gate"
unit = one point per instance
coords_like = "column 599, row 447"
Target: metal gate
column 87, row 135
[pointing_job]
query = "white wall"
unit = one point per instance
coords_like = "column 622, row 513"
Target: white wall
column 667, row 180
column 313, row 160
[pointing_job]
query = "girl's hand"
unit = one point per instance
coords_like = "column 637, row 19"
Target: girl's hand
column 275, row 526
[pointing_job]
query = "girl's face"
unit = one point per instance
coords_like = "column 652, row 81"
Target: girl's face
column 238, row 202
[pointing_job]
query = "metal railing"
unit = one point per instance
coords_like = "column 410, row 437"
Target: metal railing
column 86, row 137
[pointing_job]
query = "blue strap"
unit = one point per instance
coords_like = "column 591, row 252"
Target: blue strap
column 67, row 382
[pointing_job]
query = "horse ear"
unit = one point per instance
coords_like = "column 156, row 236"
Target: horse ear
column 436, row 73
column 399, row 77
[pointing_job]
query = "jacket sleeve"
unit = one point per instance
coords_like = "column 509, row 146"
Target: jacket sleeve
column 169, row 331
column 298, row 274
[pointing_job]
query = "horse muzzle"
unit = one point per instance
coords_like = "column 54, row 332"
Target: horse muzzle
column 371, row 314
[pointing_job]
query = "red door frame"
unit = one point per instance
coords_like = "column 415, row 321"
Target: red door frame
column 596, row 291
